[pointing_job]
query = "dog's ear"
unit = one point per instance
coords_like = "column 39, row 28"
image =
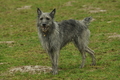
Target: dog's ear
column 39, row 11
column 52, row 14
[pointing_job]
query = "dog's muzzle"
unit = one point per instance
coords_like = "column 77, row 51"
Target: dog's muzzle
column 45, row 28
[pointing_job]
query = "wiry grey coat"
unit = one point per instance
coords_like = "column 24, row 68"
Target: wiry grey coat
column 55, row 35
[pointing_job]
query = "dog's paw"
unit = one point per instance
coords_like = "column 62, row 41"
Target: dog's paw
column 93, row 64
column 54, row 72
column 81, row 66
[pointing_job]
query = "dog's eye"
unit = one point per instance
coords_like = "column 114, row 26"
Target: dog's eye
column 41, row 18
column 48, row 18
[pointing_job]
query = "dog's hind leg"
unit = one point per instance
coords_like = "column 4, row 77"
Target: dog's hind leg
column 54, row 60
column 81, row 48
column 91, row 52
column 83, row 58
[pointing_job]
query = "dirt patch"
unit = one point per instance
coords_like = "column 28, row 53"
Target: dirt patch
column 91, row 9
column 7, row 42
column 1, row 63
column 109, row 21
column 69, row 3
column 97, row 11
column 113, row 35
column 31, row 69
column 24, row 7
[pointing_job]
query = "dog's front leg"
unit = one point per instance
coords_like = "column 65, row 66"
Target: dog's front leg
column 54, row 59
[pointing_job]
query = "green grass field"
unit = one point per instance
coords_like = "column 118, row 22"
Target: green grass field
column 20, row 46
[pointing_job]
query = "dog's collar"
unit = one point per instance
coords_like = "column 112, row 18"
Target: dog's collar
column 44, row 35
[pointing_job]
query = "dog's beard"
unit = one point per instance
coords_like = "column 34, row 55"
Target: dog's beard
column 45, row 29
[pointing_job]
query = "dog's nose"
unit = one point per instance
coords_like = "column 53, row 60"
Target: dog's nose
column 44, row 25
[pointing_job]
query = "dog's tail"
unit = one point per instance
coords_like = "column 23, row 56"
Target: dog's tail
column 87, row 20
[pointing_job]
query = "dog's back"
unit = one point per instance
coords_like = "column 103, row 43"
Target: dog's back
column 73, row 29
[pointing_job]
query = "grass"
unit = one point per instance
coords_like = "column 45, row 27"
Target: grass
column 20, row 26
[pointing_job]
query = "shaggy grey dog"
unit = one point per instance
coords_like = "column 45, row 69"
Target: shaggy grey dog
column 55, row 35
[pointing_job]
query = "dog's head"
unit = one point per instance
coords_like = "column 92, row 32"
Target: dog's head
column 45, row 20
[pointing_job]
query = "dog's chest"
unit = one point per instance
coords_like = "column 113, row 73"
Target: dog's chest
column 49, row 42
